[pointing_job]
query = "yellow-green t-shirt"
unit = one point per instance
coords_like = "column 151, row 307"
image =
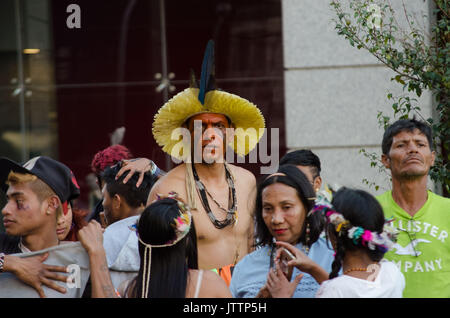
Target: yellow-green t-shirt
column 422, row 251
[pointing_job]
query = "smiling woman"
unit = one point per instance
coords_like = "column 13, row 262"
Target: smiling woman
column 283, row 212
column 283, row 201
column 282, row 207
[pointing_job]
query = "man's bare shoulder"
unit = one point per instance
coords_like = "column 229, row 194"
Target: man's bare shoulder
column 242, row 174
column 176, row 173
column 174, row 180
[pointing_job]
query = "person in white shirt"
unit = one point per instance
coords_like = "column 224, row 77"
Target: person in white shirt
column 360, row 236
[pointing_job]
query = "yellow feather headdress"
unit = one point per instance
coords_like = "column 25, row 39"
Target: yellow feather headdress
column 247, row 120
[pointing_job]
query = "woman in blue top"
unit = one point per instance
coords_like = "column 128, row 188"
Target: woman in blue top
column 282, row 207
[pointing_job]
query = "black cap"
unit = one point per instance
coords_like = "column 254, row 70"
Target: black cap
column 54, row 173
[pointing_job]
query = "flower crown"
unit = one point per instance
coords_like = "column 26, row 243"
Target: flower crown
column 181, row 223
column 373, row 240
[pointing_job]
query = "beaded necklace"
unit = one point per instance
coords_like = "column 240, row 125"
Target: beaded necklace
column 232, row 202
column 371, row 268
column 356, row 269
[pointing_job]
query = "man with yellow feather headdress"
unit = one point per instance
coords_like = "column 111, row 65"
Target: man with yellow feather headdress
column 221, row 195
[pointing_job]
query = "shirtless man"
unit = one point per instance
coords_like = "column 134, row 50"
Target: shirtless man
column 217, row 247
column 221, row 195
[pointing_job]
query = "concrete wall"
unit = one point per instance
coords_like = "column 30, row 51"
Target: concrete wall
column 333, row 92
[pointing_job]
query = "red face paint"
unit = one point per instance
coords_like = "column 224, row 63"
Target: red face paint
column 65, row 208
column 210, row 120
column 213, row 131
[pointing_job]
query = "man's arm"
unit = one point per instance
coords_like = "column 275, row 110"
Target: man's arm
column 251, row 236
column 141, row 166
column 91, row 237
column 102, row 286
column 251, row 209
column 33, row 272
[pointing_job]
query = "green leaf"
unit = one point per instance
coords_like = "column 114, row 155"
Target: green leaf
column 398, row 78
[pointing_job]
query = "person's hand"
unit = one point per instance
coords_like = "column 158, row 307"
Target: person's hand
column 301, row 261
column 141, row 165
column 91, row 237
column 278, row 285
column 33, row 272
column 103, row 221
column 264, row 293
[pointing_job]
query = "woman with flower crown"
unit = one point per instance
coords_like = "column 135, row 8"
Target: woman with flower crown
column 360, row 237
column 168, row 252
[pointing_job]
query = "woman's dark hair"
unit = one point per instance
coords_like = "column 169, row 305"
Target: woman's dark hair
column 78, row 222
column 169, row 265
column 293, row 178
column 360, row 208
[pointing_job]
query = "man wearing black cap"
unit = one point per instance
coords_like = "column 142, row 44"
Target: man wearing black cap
column 35, row 193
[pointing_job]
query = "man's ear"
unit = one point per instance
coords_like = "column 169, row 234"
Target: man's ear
column 386, row 161
column 53, row 204
column 116, row 201
column 317, row 183
column 433, row 157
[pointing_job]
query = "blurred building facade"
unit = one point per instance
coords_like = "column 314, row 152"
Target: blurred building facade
column 65, row 89
column 333, row 92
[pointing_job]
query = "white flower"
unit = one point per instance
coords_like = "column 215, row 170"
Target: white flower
column 351, row 232
column 336, row 218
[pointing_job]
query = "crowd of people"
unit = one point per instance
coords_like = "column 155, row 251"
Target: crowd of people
column 208, row 228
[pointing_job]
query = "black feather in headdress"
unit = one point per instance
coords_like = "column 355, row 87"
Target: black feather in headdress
column 207, row 78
